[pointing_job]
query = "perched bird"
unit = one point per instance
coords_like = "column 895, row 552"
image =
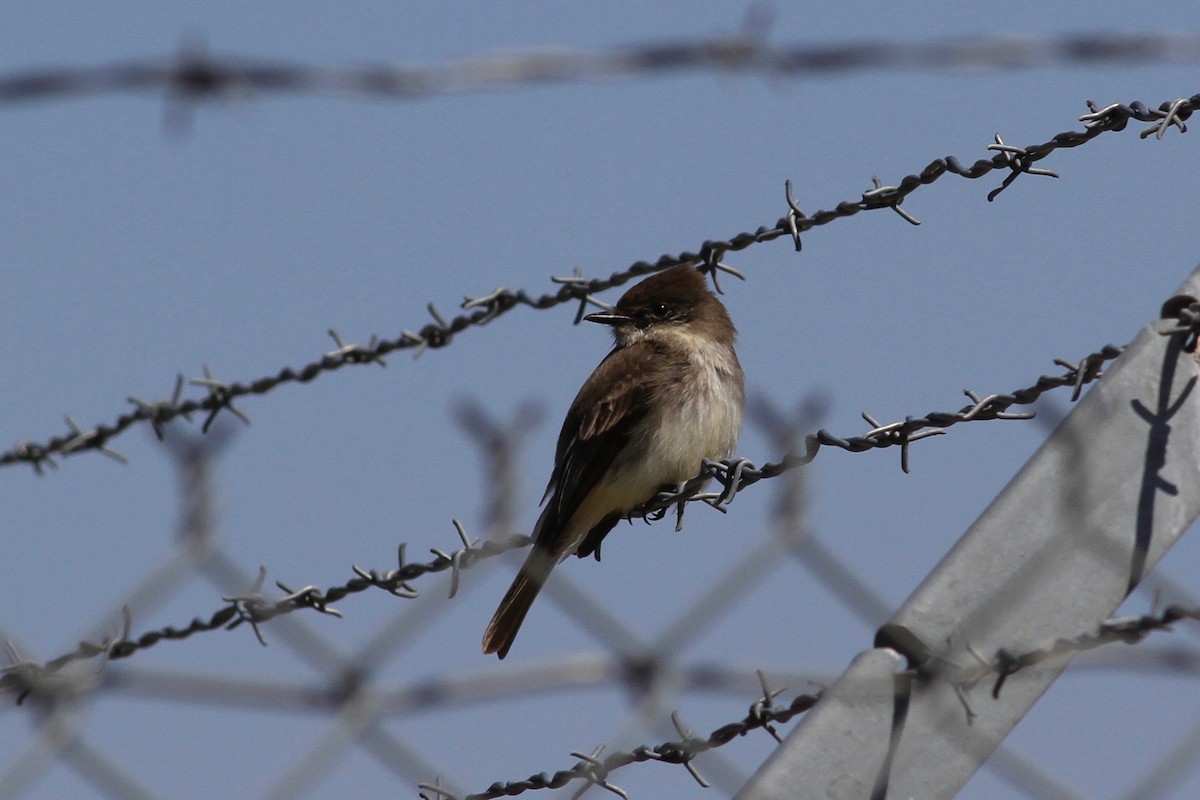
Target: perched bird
column 669, row 395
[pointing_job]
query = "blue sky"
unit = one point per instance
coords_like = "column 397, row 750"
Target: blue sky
column 132, row 250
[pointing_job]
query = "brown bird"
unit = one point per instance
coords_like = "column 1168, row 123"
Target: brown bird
column 668, row 396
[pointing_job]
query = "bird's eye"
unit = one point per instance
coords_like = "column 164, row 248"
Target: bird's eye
column 659, row 309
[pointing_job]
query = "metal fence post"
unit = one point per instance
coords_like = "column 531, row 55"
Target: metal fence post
column 1053, row 556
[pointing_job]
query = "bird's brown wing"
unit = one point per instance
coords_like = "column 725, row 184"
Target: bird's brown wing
column 598, row 425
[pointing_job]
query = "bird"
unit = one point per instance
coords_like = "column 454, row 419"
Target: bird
column 670, row 394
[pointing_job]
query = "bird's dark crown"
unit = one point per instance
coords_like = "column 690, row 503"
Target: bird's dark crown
column 677, row 296
column 670, row 295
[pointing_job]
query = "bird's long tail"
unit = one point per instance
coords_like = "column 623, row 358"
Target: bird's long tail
column 502, row 630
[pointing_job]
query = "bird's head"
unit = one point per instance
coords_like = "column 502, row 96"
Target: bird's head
column 676, row 299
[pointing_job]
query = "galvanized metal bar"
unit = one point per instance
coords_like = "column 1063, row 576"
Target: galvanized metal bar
column 1053, row 556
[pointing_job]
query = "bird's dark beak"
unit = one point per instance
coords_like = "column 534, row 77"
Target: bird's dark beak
column 607, row 318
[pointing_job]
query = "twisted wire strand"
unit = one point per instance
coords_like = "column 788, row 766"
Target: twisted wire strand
column 254, row 607
column 484, row 309
column 762, row 716
column 193, row 74
column 737, row 474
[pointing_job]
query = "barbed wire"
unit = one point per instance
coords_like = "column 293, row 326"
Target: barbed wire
column 763, row 714
column 1129, row 630
column 482, row 310
column 253, row 607
column 736, row 474
column 25, row 677
column 193, row 74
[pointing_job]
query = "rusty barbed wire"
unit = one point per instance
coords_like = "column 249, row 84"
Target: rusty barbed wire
column 486, row 308
column 193, row 74
column 764, row 714
column 253, row 607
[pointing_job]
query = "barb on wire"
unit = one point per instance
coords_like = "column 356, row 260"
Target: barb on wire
column 220, row 396
column 26, row 677
column 1019, row 160
column 436, row 791
column 487, row 308
column 733, row 475
column 109, row 643
column 193, row 74
column 795, row 216
column 594, row 773
column 357, row 353
column 681, row 751
column 686, row 735
column 457, row 557
column 1169, row 114
column 20, row 674
column 84, row 438
column 253, row 607
column 1129, row 630
column 764, row 705
column 162, row 411
column 713, row 267
column 884, row 197
column 392, row 581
